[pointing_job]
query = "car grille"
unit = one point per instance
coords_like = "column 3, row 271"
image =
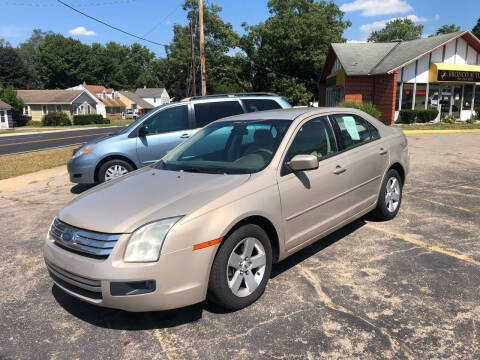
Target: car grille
column 78, row 284
column 88, row 243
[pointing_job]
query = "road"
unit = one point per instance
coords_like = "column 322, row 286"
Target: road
column 33, row 142
column 408, row 288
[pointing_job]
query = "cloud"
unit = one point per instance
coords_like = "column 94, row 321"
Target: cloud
column 81, row 31
column 356, row 41
column 367, row 28
column 377, row 7
column 436, row 17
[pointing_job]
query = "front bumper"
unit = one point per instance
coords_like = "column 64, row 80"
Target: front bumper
column 82, row 169
column 180, row 277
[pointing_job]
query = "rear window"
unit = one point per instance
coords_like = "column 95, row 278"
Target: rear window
column 252, row 105
column 205, row 113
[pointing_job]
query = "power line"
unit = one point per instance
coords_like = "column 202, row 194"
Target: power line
column 110, row 26
column 160, row 22
column 47, row 4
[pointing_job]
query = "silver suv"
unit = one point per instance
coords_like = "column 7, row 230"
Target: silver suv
column 149, row 138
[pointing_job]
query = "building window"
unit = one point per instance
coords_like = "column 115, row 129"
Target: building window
column 420, row 96
column 80, row 109
column 433, row 96
column 154, row 99
column 476, row 101
column 88, row 109
column 407, row 96
column 44, row 110
column 112, row 110
column 25, row 110
column 397, row 96
column 467, row 97
column 59, row 108
column 2, row 116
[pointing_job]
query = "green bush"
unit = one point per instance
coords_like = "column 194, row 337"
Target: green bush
column 407, row 116
column 425, row 116
column 22, row 120
column 477, row 112
column 56, row 119
column 89, row 119
column 34, row 123
column 367, row 107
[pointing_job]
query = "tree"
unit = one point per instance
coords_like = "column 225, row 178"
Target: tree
column 63, row 62
column 402, row 29
column 12, row 69
column 285, row 54
column 9, row 95
column 27, row 51
column 476, row 29
column 447, row 29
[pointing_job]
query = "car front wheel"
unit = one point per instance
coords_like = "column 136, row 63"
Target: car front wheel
column 113, row 169
column 241, row 269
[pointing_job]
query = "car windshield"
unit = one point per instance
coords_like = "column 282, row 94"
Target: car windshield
column 231, row 147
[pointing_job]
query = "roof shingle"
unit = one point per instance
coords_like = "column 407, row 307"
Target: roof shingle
column 48, row 96
column 137, row 99
column 4, row 105
column 150, row 92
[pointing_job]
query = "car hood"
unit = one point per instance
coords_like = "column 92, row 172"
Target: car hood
column 146, row 195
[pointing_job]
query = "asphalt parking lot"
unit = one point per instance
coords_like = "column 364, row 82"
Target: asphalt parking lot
column 408, row 288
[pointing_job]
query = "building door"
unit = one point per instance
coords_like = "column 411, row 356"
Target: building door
column 456, row 102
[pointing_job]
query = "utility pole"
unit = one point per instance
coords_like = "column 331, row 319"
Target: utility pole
column 192, row 50
column 202, row 48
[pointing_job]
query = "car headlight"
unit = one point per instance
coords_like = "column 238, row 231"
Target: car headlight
column 83, row 151
column 146, row 242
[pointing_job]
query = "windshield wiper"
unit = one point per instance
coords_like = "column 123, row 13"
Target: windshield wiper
column 201, row 170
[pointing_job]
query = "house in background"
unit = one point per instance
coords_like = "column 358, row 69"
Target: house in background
column 155, row 96
column 41, row 102
column 108, row 104
column 135, row 103
column 6, row 121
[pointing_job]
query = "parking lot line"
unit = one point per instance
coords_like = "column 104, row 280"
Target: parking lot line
column 439, row 203
column 431, row 247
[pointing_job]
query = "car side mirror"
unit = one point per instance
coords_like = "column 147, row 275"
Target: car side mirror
column 143, row 131
column 303, row 162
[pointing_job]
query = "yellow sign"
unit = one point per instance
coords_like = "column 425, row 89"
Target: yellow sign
column 454, row 73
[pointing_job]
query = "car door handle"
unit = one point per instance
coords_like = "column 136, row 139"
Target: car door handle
column 184, row 136
column 382, row 151
column 338, row 170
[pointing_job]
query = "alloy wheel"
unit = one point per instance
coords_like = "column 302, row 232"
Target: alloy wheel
column 392, row 194
column 246, row 267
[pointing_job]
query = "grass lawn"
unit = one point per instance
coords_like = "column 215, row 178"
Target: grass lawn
column 35, row 128
column 438, row 126
column 14, row 165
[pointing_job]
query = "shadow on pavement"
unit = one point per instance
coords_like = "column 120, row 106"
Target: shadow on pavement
column 80, row 188
column 123, row 320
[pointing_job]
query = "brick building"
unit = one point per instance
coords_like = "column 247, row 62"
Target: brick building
column 439, row 72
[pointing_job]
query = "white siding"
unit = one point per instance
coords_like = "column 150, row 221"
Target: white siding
column 461, row 51
column 472, row 56
column 437, row 55
column 450, row 53
column 423, row 68
column 409, row 73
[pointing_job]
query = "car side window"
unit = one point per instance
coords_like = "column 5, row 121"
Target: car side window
column 168, row 120
column 353, row 129
column 373, row 131
column 207, row 112
column 252, row 105
column 315, row 137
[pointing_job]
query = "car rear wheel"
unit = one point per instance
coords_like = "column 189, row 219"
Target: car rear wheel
column 113, row 169
column 241, row 269
column 390, row 196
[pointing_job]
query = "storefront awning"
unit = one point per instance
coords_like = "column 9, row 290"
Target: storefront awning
column 441, row 72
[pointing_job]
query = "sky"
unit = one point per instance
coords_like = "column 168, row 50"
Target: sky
column 154, row 19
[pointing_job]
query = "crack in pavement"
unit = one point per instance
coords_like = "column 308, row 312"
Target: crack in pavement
column 313, row 280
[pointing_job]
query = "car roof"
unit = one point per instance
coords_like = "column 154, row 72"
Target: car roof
column 285, row 114
column 264, row 95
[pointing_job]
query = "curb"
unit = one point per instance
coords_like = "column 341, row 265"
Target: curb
column 444, row 131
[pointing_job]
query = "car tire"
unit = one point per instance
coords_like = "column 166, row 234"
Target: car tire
column 251, row 276
column 113, row 167
column 390, row 197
